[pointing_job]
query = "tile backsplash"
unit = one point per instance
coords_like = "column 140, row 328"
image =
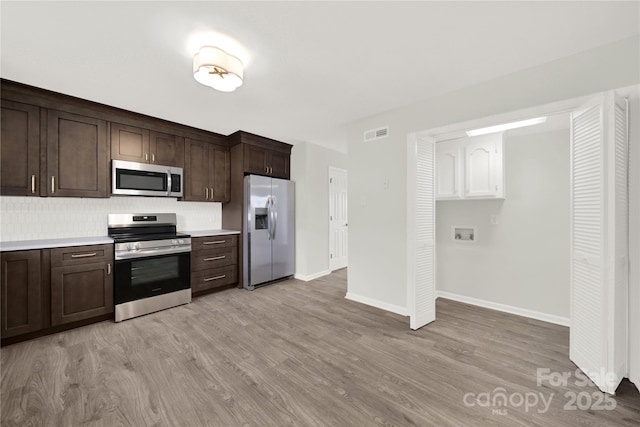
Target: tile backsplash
column 30, row 218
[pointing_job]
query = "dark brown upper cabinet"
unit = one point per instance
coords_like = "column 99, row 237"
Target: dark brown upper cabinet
column 77, row 155
column 207, row 172
column 20, row 149
column 140, row 145
column 129, row 143
column 263, row 156
column 166, row 150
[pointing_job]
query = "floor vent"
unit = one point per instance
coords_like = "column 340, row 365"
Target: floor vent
column 374, row 134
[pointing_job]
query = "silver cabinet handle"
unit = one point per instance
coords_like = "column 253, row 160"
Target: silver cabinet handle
column 271, row 170
column 266, row 169
column 215, row 278
column 53, row 184
column 211, row 193
column 215, row 258
column 33, row 184
column 83, row 255
column 153, row 158
column 146, row 156
column 206, row 193
column 108, row 269
column 215, row 242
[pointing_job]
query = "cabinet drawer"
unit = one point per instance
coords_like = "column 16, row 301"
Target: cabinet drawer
column 211, row 242
column 77, row 255
column 214, row 278
column 213, row 258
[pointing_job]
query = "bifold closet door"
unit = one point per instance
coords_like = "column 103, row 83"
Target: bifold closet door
column 598, row 240
column 422, row 283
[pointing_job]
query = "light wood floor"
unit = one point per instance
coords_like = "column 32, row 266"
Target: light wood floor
column 298, row 354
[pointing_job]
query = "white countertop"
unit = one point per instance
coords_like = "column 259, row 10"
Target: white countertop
column 205, row 233
column 24, row 245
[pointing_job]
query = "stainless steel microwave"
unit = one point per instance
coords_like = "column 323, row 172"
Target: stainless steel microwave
column 142, row 179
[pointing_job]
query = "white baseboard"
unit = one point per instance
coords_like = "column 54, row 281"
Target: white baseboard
column 309, row 277
column 378, row 304
column 551, row 318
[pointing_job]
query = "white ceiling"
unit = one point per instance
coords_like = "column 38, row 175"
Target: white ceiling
column 310, row 67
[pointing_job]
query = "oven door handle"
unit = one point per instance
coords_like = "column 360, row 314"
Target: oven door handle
column 151, row 252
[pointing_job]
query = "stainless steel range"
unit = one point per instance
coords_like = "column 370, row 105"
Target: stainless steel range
column 152, row 264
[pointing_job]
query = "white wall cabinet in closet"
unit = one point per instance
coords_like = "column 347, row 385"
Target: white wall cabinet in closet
column 470, row 168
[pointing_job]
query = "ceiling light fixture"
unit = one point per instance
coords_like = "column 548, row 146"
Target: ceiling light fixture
column 215, row 68
column 506, row 126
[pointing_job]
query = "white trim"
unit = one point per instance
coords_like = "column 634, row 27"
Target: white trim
column 412, row 155
column 377, row 304
column 538, row 315
column 310, row 277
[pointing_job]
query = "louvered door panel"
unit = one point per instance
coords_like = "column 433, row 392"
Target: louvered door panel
column 619, row 255
column 587, row 333
column 422, row 304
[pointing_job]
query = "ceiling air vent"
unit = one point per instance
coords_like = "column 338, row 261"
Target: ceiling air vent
column 373, row 134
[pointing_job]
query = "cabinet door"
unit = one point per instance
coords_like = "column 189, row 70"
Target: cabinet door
column 448, row 170
column 21, row 293
column 255, row 160
column 20, row 149
column 77, row 156
column 480, row 167
column 221, row 174
column 279, row 165
column 196, row 173
column 81, row 292
column 129, row 143
column 167, row 150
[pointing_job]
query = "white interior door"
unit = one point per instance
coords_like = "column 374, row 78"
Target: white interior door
column 421, row 286
column 338, row 222
column 598, row 219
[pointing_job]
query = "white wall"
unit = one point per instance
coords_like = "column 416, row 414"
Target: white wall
column 523, row 261
column 29, row 218
column 377, row 217
column 310, row 171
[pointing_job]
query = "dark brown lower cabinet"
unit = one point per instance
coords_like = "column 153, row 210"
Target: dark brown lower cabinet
column 81, row 283
column 80, row 292
column 214, row 263
column 21, row 293
column 50, row 290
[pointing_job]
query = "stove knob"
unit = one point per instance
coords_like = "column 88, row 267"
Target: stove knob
column 129, row 246
column 174, row 242
column 136, row 246
column 181, row 241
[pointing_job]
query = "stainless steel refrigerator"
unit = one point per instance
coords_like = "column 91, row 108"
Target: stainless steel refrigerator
column 268, row 230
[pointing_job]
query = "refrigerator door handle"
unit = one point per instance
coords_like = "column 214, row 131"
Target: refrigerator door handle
column 270, row 220
column 274, row 207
